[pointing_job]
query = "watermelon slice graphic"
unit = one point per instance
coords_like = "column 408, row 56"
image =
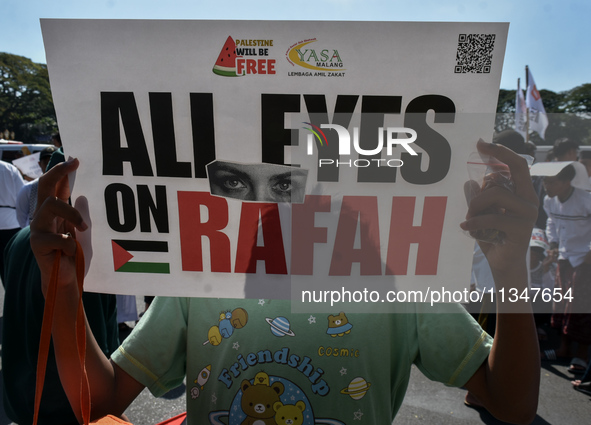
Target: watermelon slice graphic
column 226, row 63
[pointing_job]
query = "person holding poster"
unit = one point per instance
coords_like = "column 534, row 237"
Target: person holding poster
column 304, row 369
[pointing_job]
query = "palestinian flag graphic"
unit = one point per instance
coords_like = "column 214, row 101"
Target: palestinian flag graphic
column 226, row 63
column 121, row 256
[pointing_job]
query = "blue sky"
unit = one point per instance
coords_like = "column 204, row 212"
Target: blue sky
column 551, row 37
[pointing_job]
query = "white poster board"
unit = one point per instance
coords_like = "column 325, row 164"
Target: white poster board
column 147, row 105
column 29, row 165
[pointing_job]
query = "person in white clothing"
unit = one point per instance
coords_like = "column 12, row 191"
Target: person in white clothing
column 569, row 234
column 10, row 182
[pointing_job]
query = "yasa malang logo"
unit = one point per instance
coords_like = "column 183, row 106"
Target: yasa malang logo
column 244, row 57
column 306, row 56
column 345, row 145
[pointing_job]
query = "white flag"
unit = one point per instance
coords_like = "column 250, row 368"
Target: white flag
column 538, row 120
column 520, row 111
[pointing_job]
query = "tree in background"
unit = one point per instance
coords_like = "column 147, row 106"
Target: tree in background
column 26, row 106
column 505, row 110
column 569, row 114
column 578, row 100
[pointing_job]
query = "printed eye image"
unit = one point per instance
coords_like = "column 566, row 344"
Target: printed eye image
column 257, row 182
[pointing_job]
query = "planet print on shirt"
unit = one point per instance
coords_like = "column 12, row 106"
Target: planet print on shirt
column 357, row 388
column 280, row 326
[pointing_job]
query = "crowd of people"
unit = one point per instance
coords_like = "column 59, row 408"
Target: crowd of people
column 566, row 201
column 559, row 257
column 168, row 343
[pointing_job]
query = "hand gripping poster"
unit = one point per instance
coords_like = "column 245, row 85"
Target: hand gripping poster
column 270, row 159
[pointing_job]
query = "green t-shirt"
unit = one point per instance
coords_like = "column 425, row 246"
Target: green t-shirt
column 254, row 362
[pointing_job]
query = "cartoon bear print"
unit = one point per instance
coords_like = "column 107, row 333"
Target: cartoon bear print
column 258, row 400
column 338, row 325
column 289, row 414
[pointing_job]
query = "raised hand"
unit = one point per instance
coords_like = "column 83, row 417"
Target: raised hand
column 516, row 212
column 54, row 225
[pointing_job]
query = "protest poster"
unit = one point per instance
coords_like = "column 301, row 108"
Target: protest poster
column 206, row 149
column 29, row 165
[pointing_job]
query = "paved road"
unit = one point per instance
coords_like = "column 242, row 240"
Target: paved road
column 426, row 402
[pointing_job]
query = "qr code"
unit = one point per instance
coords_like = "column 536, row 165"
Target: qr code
column 475, row 53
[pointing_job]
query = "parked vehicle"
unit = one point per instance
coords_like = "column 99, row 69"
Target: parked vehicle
column 10, row 150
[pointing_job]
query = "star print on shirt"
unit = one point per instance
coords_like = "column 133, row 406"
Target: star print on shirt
column 311, row 319
column 343, row 371
column 261, row 302
column 357, row 415
column 214, row 399
column 236, row 346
